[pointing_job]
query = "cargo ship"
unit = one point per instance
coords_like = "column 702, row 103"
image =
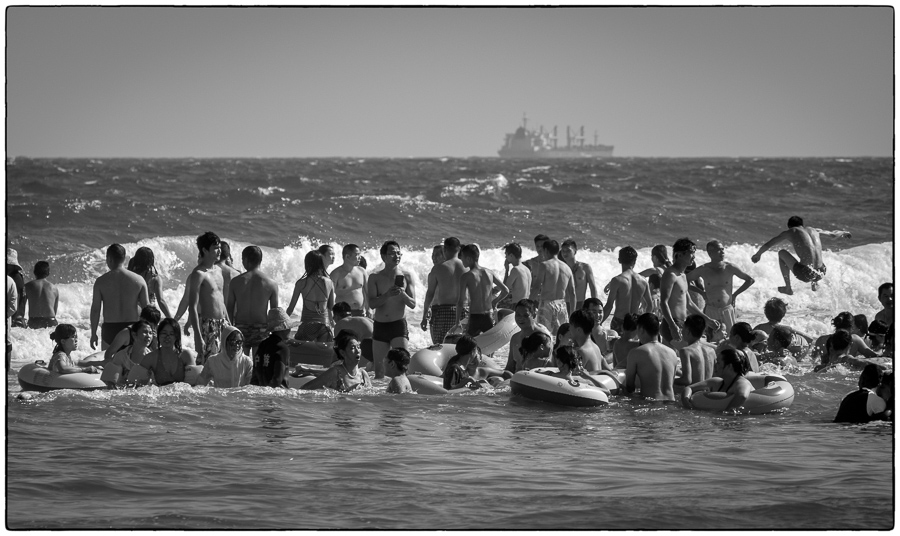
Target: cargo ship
column 524, row 143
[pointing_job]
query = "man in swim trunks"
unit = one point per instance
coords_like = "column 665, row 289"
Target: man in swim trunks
column 389, row 302
column 443, row 292
column 350, row 281
column 698, row 357
column 484, row 290
column 251, row 295
column 207, row 313
column 526, row 319
column 629, row 292
column 651, row 362
column 886, row 299
column 517, row 277
column 42, row 298
column 581, row 271
column 119, row 294
column 809, row 268
column 361, row 325
column 675, row 301
column 718, row 278
column 539, row 249
column 553, row 287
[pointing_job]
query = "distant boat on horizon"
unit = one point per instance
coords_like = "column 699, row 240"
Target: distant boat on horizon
column 524, row 143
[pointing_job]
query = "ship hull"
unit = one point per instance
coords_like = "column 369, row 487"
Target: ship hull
column 539, row 155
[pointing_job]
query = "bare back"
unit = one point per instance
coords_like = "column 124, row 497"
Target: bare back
column 251, row 295
column 123, row 294
column 447, row 278
column 654, row 364
column 479, row 283
column 519, row 282
column 629, row 290
column 555, row 278
column 42, row 298
column 807, row 244
column 699, row 359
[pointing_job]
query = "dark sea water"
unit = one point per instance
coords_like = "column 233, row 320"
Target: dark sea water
column 256, row 458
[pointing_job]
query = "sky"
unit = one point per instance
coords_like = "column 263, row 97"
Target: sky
column 434, row 82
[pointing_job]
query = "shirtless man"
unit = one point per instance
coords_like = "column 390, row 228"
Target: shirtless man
column 327, row 254
column 526, row 319
column 653, row 363
column 581, row 324
column 42, row 298
column 207, row 314
column 443, row 292
column 718, row 278
column 517, row 277
column 437, row 255
column 119, row 294
column 730, row 381
column 740, row 339
column 629, row 292
column 226, row 264
column 389, row 302
column 539, row 249
column 698, row 358
column 594, row 307
column 626, row 343
column 553, row 287
column 350, row 281
column 483, row 289
column 809, row 268
column 250, row 297
column 584, row 276
column 675, row 301
column 886, row 299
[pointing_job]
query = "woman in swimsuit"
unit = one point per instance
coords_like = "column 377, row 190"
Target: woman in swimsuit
column 143, row 265
column 345, row 374
column 462, row 371
column 534, row 351
column 66, row 338
column 571, row 369
column 168, row 361
column 131, row 356
column 397, row 364
column 317, row 290
column 731, row 384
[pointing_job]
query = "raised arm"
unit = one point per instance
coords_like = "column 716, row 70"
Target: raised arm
column 781, row 237
column 833, row 234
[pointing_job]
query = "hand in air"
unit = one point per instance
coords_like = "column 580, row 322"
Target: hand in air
column 755, row 258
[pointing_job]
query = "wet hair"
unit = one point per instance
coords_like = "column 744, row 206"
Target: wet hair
column 783, row 335
column 627, row 256
column 843, row 320
column 341, row 309
column 871, row 376
column 568, row 356
column 252, row 255
column 695, row 324
column 143, row 261
column 531, row 305
column 362, row 262
column 225, row 253
column 41, row 269
column 744, row 331
column 343, row 339
column 649, row 322
column 885, row 286
column 208, row 240
column 795, row 221
column 348, row 249
column 323, row 249
column 840, row 340
column 569, row 243
column 388, row 244
column 711, row 244
column 582, row 319
column 314, row 263
column 400, row 358
column 541, row 238
column 591, row 301
column 659, row 251
column 134, row 328
column 513, row 249
column 437, row 249
column 736, row 360
column 61, row 333
column 551, row 247
column 151, row 314
column 176, row 329
column 116, row 252
column 452, row 245
column 466, row 344
column 683, row 245
column 471, row 251
column 654, row 280
column 531, row 343
column 775, row 309
column 861, row 323
column 877, row 327
column 560, row 332
column 629, row 322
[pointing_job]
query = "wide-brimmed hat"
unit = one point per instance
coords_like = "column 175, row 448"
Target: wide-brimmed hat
column 12, row 257
column 278, row 320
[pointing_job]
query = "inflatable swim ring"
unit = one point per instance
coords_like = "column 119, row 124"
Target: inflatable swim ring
column 432, row 360
column 498, row 336
column 36, row 377
column 311, row 353
column 425, row 384
column 534, row 385
column 771, row 393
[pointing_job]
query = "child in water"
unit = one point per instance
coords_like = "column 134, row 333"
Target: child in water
column 66, row 338
column 397, row 364
column 570, row 365
column 535, row 351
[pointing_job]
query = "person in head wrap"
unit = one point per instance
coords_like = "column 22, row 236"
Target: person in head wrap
column 230, row 367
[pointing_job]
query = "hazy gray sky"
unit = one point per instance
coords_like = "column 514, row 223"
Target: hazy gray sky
column 298, row 82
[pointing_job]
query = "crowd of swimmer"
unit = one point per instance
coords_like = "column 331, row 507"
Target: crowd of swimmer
column 674, row 317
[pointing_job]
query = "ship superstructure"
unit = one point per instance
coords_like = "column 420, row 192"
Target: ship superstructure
column 525, row 143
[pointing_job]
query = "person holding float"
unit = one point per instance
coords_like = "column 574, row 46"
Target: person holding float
column 66, row 338
column 732, row 383
column 345, row 374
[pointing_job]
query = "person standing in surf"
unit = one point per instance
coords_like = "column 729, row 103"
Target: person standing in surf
column 207, row 314
column 674, row 299
column 809, row 268
column 119, row 295
column 581, row 271
column 553, row 286
column 390, row 292
column 443, row 292
column 350, row 282
column 250, row 297
column 718, row 278
column 629, row 292
column 484, row 290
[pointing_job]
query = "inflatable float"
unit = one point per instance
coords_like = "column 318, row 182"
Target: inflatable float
column 36, row 377
column 498, row 336
column 432, row 360
column 311, row 353
column 536, row 385
column 771, row 393
column 425, row 384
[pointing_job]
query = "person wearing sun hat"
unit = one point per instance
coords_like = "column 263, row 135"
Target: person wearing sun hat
column 273, row 357
column 14, row 271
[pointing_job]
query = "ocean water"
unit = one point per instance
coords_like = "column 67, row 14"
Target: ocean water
column 256, row 458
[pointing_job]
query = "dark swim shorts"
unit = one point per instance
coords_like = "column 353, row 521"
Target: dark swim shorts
column 109, row 330
column 479, row 323
column 616, row 324
column 387, row 331
column 806, row 274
